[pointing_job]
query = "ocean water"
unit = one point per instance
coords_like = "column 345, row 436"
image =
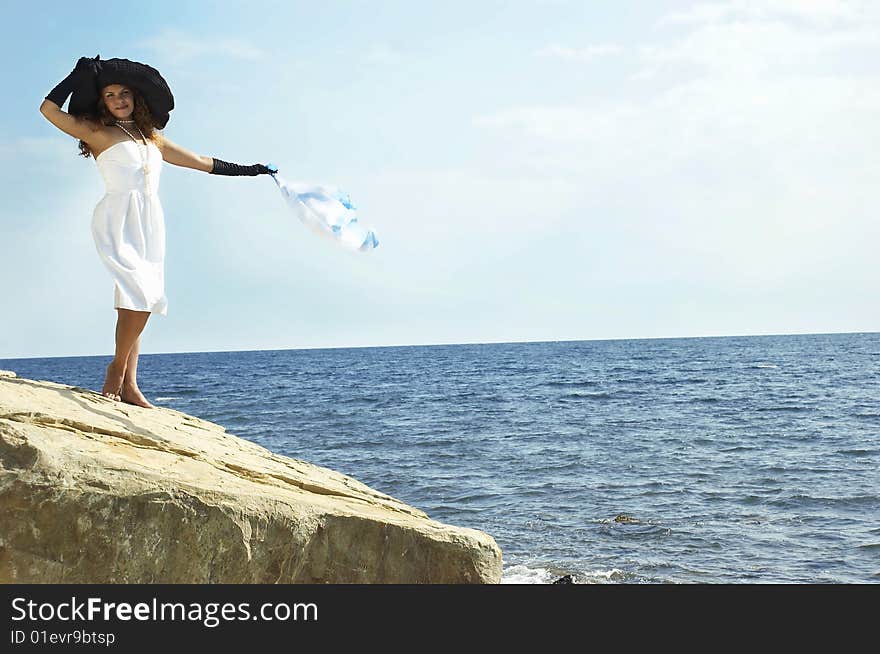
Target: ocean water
column 733, row 460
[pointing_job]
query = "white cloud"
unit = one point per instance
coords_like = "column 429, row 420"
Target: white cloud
column 700, row 13
column 817, row 12
column 747, row 156
column 180, row 45
column 757, row 47
column 562, row 124
column 589, row 53
column 383, row 54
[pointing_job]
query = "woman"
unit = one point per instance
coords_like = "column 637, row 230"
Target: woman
column 119, row 129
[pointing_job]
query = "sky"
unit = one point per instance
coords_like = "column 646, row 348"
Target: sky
column 536, row 171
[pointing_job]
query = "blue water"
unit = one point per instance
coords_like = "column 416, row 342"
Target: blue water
column 753, row 459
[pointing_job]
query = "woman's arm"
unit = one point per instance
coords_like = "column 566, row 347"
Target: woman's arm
column 174, row 154
column 77, row 127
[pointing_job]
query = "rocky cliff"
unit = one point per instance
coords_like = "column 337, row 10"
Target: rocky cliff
column 96, row 491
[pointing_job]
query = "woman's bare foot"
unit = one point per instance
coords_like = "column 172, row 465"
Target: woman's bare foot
column 113, row 381
column 132, row 395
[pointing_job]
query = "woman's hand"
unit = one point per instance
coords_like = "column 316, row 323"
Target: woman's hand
column 88, row 65
column 85, row 68
column 221, row 167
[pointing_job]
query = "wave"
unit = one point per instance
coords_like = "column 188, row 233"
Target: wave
column 572, row 384
column 186, row 391
column 364, row 399
column 858, row 452
column 676, row 381
column 520, row 574
column 601, row 395
column 523, row 574
column 802, row 500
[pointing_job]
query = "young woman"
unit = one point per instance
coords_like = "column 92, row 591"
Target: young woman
column 125, row 104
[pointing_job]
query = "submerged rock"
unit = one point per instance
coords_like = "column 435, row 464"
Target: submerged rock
column 565, row 579
column 97, row 491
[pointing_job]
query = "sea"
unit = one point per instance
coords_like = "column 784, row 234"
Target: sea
column 729, row 460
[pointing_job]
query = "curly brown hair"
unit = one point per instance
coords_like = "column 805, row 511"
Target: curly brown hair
column 102, row 116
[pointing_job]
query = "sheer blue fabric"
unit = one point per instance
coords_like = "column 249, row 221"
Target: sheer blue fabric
column 329, row 212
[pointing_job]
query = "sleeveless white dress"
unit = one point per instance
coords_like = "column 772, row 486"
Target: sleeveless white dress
column 128, row 226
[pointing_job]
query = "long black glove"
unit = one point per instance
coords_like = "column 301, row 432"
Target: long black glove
column 226, row 168
column 85, row 67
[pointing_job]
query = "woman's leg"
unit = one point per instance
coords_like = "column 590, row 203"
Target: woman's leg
column 129, row 325
column 130, row 391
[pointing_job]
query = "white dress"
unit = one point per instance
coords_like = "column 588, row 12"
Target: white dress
column 128, row 226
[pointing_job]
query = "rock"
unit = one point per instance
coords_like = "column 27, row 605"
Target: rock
column 7, row 373
column 96, row 491
column 627, row 519
column 565, row 579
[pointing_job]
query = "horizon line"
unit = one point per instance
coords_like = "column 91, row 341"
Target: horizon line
column 361, row 347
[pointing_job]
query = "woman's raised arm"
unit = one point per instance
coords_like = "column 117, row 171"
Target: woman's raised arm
column 77, row 127
column 51, row 107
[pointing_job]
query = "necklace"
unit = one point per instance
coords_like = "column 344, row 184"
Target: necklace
column 144, row 155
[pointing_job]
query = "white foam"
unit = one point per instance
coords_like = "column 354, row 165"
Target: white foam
column 522, row 574
column 165, row 399
column 601, row 576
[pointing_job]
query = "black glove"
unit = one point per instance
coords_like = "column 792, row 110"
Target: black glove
column 226, row 168
column 86, row 67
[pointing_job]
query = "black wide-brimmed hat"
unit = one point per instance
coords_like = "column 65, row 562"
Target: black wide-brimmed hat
column 146, row 79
